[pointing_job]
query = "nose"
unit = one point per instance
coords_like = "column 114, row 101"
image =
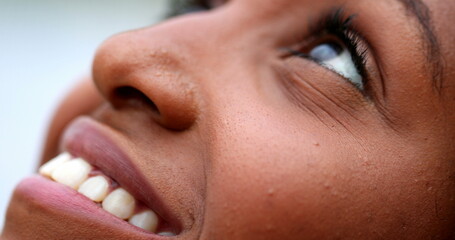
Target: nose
column 137, row 69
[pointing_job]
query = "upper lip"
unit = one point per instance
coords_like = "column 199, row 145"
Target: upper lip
column 96, row 143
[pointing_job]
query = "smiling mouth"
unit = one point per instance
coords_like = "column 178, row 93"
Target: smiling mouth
column 104, row 191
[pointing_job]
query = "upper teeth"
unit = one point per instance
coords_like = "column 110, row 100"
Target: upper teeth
column 72, row 173
column 120, row 203
column 96, row 188
column 75, row 174
column 145, row 220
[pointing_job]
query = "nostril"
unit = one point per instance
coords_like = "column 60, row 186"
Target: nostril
column 131, row 97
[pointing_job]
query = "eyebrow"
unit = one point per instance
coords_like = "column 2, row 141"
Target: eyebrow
column 423, row 15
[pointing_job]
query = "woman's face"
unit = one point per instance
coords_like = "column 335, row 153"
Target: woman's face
column 249, row 122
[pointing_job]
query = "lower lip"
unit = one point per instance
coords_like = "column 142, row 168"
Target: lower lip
column 41, row 195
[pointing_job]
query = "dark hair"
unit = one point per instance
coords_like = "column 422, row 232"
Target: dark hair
column 178, row 7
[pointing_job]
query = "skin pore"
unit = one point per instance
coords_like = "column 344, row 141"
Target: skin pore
column 243, row 140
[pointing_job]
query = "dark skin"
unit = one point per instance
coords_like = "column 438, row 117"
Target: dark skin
column 271, row 147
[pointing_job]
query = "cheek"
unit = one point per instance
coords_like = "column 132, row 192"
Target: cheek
column 269, row 180
column 274, row 183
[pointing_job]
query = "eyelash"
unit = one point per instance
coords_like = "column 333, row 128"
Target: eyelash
column 338, row 25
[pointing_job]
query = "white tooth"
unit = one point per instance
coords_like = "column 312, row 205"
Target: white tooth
column 147, row 220
column 95, row 188
column 119, row 203
column 72, row 173
column 50, row 166
column 167, row 234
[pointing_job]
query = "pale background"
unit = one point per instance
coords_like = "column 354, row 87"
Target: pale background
column 44, row 46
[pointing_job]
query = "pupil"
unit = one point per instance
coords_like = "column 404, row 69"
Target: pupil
column 326, row 51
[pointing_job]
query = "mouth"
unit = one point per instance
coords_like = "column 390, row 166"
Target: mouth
column 94, row 168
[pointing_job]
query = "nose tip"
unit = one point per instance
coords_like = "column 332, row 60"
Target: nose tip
column 148, row 76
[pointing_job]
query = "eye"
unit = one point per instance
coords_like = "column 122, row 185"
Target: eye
column 336, row 57
column 337, row 45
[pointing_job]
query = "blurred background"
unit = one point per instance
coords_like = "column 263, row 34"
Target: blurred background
column 45, row 46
